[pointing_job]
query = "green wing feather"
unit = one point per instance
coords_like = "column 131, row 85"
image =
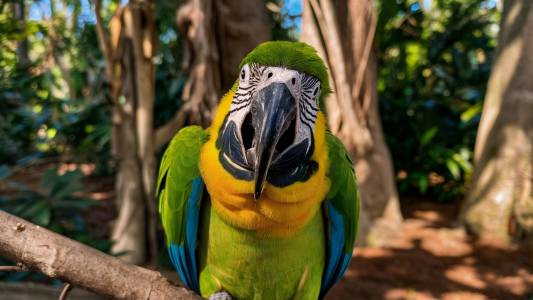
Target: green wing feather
column 344, row 194
column 179, row 168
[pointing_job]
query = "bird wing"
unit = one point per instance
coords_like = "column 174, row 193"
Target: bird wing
column 179, row 188
column 342, row 213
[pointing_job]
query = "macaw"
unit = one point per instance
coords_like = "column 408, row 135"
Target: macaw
column 264, row 203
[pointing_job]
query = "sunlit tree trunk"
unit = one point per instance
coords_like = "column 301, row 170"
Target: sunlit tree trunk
column 61, row 57
column 128, row 51
column 343, row 33
column 502, row 192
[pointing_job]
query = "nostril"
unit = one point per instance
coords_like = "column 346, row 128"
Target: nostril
column 293, row 81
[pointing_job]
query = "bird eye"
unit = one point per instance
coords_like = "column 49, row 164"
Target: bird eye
column 293, row 81
column 242, row 74
column 269, row 75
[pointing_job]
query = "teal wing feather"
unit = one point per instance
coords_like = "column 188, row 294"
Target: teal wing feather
column 179, row 189
column 342, row 213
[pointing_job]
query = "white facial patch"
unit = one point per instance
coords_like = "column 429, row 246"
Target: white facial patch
column 304, row 88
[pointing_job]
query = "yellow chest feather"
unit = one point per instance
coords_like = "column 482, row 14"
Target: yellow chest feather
column 280, row 212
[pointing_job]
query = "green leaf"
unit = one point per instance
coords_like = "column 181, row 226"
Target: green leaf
column 62, row 186
column 465, row 153
column 50, row 178
column 38, row 212
column 428, row 136
column 453, row 167
column 75, row 205
column 5, row 171
column 60, row 191
column 464, row 164
column 471, row 112
column 423, row 184
column 43, row 217
column 29, row 158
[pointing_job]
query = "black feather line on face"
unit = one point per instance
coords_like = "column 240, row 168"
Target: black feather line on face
column 242, row 99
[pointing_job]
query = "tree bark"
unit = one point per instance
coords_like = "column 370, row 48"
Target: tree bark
column 128, row 52
column 218, row 35
column 44, row 251
column 343, row 34
column 501, row 192
column 22, row 45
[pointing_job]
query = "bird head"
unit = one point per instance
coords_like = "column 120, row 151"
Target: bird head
column 268, row 134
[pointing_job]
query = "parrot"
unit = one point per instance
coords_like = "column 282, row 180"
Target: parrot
column 264, row 203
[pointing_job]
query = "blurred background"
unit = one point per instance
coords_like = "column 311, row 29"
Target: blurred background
column 433, row 100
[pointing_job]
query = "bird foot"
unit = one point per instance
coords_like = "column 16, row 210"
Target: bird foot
column 222, row 295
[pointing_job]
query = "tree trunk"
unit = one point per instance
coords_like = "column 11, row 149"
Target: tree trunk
column 22, row 45
column 501, row 192
column 128, row 54
column 343, row 34
column 218, row 35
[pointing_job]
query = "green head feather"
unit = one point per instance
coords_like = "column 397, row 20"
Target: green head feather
column 296, row 56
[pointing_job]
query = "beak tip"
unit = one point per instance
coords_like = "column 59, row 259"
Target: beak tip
column 257, row 194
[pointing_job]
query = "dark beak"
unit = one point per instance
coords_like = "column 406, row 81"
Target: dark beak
column 273, row 109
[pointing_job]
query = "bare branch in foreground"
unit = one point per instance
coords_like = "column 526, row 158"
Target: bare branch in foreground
column 11, row 269
column 54, row 255
column 66, row 291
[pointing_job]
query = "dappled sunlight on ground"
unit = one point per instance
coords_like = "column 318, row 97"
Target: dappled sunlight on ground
column 431, row 260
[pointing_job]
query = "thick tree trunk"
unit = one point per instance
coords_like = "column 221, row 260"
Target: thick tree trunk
column 129, row 232
column 343, row 34
column 219, row 34
column 128, row 53
column 502, row 192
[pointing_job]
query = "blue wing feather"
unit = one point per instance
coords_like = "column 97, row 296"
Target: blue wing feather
column 184, row 257
column 342, row 213
column 337, row 261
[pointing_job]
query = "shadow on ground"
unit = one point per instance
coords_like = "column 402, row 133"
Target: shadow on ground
column 430, row 260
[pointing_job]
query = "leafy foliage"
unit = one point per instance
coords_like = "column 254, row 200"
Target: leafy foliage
column 37, row 114
column 434, row 66
column 285, row 19
column 57, row 206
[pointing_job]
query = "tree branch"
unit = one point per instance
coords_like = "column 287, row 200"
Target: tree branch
column 103, row 39
column 11, row 269
column 69, row 261
column 109, row 51
column 66, row 291
column 165, row 133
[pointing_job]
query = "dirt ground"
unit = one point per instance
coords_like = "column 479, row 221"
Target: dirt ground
column 429, row 260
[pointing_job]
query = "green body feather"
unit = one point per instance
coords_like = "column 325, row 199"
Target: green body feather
column 252, row 267
column 343, row 194
column 179, row 168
